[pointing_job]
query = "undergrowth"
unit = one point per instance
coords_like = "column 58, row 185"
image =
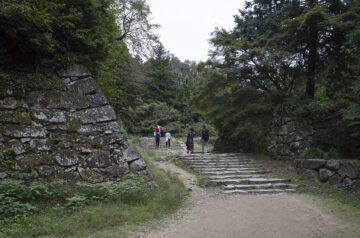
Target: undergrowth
column 57, row 209
column 329, row 192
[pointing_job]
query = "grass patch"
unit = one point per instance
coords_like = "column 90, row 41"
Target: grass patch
column 113, row 217
column 202, row 180
column 343, row 197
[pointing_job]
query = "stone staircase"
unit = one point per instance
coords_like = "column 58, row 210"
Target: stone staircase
column 237, row 174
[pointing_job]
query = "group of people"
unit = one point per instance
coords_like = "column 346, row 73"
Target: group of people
column 204, row 140
column 157, row 135
column 189, row 139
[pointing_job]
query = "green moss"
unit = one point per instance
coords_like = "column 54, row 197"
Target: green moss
column 15, row 117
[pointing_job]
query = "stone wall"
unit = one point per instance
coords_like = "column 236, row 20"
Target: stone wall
column 340, row 173
column 292, row 137
column 67, row 131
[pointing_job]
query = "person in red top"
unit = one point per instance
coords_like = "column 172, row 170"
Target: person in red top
column 157, row 137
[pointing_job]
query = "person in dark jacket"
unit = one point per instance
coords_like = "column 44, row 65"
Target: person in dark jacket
column 190, row 141
column 205, row 139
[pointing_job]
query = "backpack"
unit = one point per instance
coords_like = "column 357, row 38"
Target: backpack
column 205, row 134
column 157, row 135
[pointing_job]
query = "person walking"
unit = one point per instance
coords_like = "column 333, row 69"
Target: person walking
column 168, row 139
column 190, row 141
column 157, row 137
column 205, row 139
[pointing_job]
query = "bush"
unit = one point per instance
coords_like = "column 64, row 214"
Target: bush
column 19, row 198
column 319, row 153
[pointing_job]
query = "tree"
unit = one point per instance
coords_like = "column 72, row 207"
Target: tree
column 60, row 31
column 293, row 58
column 160, row 79
column 133, row 19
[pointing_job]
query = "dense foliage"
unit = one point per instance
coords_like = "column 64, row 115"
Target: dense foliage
column 37, row 33
column 158, row 91
column 296, row 58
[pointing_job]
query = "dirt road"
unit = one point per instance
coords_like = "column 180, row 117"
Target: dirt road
column 210, row 214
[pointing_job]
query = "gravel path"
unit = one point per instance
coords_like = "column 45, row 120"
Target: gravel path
column 208, row 213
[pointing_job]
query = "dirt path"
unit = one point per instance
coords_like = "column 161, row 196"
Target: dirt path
column 209, row 214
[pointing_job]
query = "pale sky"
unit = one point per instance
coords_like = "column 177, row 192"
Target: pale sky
column 186, row 25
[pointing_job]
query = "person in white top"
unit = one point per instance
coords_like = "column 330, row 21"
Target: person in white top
column 168, row 139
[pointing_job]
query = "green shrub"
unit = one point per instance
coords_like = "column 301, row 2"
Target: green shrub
column 89, row 209
column 319, row 153
column 6, row 158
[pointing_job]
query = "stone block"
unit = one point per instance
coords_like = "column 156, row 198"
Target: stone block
column 89, row 129
column 313, row 163
column 17, row 131
column 96, row 115
column 56, row 100
column 17, row 146
column 325, row 174
column 46, row 171
column 71, row 176
column 309, row 174
column 137, row 165
column 66, row 158
column 99, row 159
column 57, row 117
column 117, row 170
column 336, row 180
column 89, row 174
column 332, row 164
column 8, row 103
column 350, row 169
column 87, row 86
column 347, row 183
column 40, row 145
column 2, row 139
column 131, row 154
column 97, row 100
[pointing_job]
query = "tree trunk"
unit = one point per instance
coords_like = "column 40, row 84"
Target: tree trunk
column 312, row 57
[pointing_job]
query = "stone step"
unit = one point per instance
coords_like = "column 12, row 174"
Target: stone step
column 209, row 155
column 258, row 186
column 199, row 165
column 248, row 181
column 226, row 166
column 202, row 156
column 223, row 177
column 218, row 161
column 228, row 169
column 238, row 172
column 260, row 191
